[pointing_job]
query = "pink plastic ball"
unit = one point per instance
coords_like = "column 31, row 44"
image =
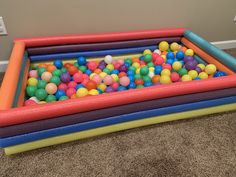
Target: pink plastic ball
column 155, row 56
column 46, row 76
column 92, row 65
column 78, row 77
column 142, row 63
column 159, row 60
column 62, row 86
column 174, row 77
column 97, row 79
column 166, row 66
column 115, row 85
column 29, row 102
column 108, row 80
column 33, row 73
column 124, row 81
column 114, row 62
column 85, row 81
column 121, row 62
column 51, row 88
column 72, row 84
column 117, row 65
column 70, row 91
column 85, row 76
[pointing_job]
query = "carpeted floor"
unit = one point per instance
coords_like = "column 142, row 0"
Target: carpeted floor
column 198, row 147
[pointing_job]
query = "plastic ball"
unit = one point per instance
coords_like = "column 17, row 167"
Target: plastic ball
column 165, row 72
column 102, row 74
column 70, row 91
column 65, row 77
column 41, row 71
column 186, row 77
column 219, row 74
column 140, row 86
column 177, row 65
column 151, row 74
column 115, row 85
column 151, row 69
column 132, row 85
column 108, row 80
column 202, row 66
column 51, row 88
column 57, row 72
column 41, row 94
column 29, row 103
column 210, row 69
column 147, row 84
column 180, row 55
column 108, row 59
column 147, row 51
column 58, row 64
column 81, row 61
column 170, row 55
column 102, row 87
column 51, row 98
column 56, row 80
column 139, row 81
column 72, row 70
column 110, row 67
column 193, row 74
column 124, row 81
column 46, row 76
column 188, row 58
column 157, row 51
column 190, row 65
column 182, row 71
column 82, row 68
column 155, row 79
column 109, row 89
column 121, row 88
column 97, row 71
column 166, row 66
column 174, row 77
column 32, row 81
column 72, row 84
column 67, row 65
column 115, row 77
column 163, row 46
column 93, row 92
column 189, row 52
column 34, row 98
column 78, row 86
column 51, row 68
column 165, row 79
column 62, row 86
column 78, row 77
column 158, row 69
column 63, row 98
column 96, row 78
column 30, row 90
column 33, row 73
column 60, row 93
column 63, row 70
column 203, row 75
column 174, row 46
column 148, row 58
column 198, row 69
column 146, row 79
column 91, row 85
column 123, row 68
column 159, row 61
column 92, row 65
column 144, row 70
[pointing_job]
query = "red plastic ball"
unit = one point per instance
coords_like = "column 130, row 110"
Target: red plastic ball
column 72, row 70
column 159, row 60
column 67, row 65
column 91, row 85
column 121, row 74
column 78, row 77
column 70, row 92
column 166, row 66
column 92, row 65
column 139, row 81
column 174, row 77
column 72, row 84
column 29, row 102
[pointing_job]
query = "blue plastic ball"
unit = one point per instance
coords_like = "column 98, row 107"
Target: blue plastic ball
column 127, row 64
column 81, row 61
column 120, row 88
column 197, row 78
column 170, row 55
column 132, row 85
column 115, row 71
column 58, row 64
column 158, row 69
column 180, row 55
column 60, row 93
column 147, row 84
column 170, row 61
column 219, row 74
column 78, row 86
column 141, row 58
column 131, row 78
column 88, row 72
column 130, row 73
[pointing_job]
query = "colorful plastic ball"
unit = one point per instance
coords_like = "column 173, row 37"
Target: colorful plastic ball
column 78, row 77
column 82, row 68
column 60, row 93
column 157, row 51
column 51, row 88
column 108, row 59
column 110, row 67
column 188, row 58
column 62, row 86
column 177, row 65
column 202, row 66
column 159, row 61
column 210, row 69
column 182, row 71
column 81, row 61
column 189, row 52
column 88, row 72
column 165, row 79
column 46, row 76
column 93, row 92
column 124, row 81
column 174, row 76
column 33, row 73
column 57, row 72
column 34, row 98
column 219, row 74
column 100, row 91
column 109, row 89
column 102, row 87
column 102, row 74
column 123, row 68
column 41, row 84
column 92, row 65
column 106, row 70
column 56, row 80
column 146, row 79
column 72, row 70
column 115, row 77
column 197, row 78
column 163, row 46
column 158, row 69
column 29, row 103
column 155, row 79
column 151, row 74
column 148, row 58
column 51, row 98
column 51, row 68
column 139, row 81
column 30, row 90
column 65, row 77
column 193, row 74
column 190, row 65
column 148, row 84
column 170, row 55
column 151, row 69
column 63, row 98
column 165, row 72
column 58, row 64
column 169, row 61
column 186, row 77
column 120, row 61
column 132, row 85
column 174, row 46
column 121, row 88
column 180, row 55
column 91, row 85
column 115, row 86
column 67, row 65
column 32, row 81
column 198, row 69
column 70, row 91
column 147, row 51
column 72, row 84
column 64, row 70
column 144, row 70
column 203, row 75
column 78, row 86
column 41, row 94
column 166, row 66
column 96, row 78
column 108, row 80
column 97, row 71
column 155, row 56
column 41, row 71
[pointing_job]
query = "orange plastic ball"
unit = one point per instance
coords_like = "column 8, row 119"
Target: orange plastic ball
column 135, row 59
column 91, row 85
column 156, row 78
column 164, row 53
column 51, row 68
column 72, row 70
column 139, row 81
column 67, row 65
column 183, row 49
column 42, row 65
column 121, row 74
column 97, row 71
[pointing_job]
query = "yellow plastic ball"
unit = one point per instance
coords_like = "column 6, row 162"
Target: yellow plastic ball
column 137, row 71
column 163, row 46
column 174, row 46
column 193, row 74
column 165, row 72
column 82, row 92
column 110, row 66
column 147, row 51
column 165, row 79
column 42, row 102
column 102, row 87
column 164, row 56
column 91, row 75
column 189, row 52
column 115, row 77
column 151, row 69
column 186, row 77
column 177, row 65
column 102, row 74
column 136, row 65
column 203, row 75
column 93, row 92
column 202, row 66
column 32, row 81
column 210, row 69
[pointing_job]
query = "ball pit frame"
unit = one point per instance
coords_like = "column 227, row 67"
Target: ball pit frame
column 10, row 116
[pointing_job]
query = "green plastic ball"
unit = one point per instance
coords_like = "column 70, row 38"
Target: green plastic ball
column 41, row 94
column 148, row 58
column 56, row 80
column 128, row 60
column 106, row 70
column 63, row 98
column 41, row 84
column 82, row 68
column 132, row 68
column 137, row 76
column 140, row 86
column 30, row 90
column 76, row 64
column 57, row 72
column 182, row 71
column 51, row 98
column 41, row 70
column 150, row 64
column 147, row 79
column 63, row 70
column 144, row 70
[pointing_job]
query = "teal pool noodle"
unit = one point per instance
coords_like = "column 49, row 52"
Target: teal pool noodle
column 199, row 59
column 222, row 56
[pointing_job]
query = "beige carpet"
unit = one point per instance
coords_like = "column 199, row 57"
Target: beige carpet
column 198, row 147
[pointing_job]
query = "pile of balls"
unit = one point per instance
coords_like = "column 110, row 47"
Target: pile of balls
column 166, row 65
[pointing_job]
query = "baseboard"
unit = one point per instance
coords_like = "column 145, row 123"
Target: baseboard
column 220, row 44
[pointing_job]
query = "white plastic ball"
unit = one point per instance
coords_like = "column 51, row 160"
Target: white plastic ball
column 151, row 74
column 157, row 51
column 108, row 59
column 34, row 99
